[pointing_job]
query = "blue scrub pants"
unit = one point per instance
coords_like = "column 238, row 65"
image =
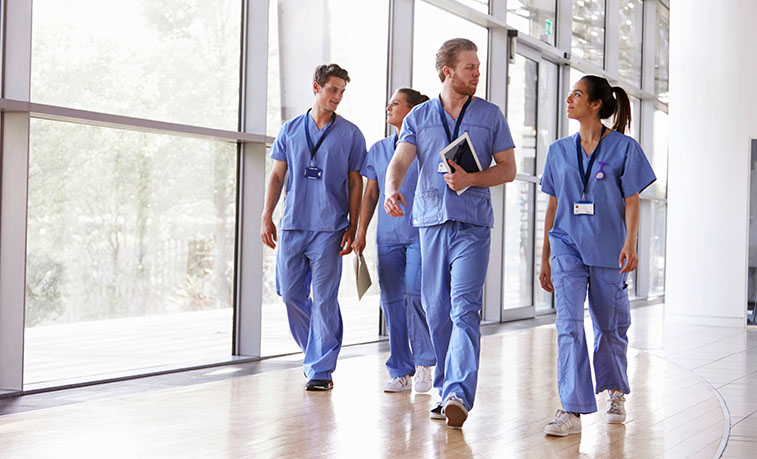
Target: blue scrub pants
column 399, row 270
column 610, row 316
column 455, row 259
column 315, row 323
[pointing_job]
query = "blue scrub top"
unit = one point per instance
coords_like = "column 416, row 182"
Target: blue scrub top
column 597, row 239
column 435, row 202
column 323, row 204
column 391, row 229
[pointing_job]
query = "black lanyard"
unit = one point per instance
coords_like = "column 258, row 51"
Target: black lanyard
column 459, row 118
column 585, row 175
column 323, row 137
column 396, row 138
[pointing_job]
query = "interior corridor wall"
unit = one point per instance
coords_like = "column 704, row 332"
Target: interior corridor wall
column 713, row 112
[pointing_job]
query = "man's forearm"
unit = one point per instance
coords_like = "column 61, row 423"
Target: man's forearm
column 356, row 193
column 275, row 185
column 398, row 166
column 496, row 175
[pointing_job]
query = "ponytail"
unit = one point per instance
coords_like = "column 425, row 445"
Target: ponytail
column 614, row 99
column 622, row 112
column 412, row 96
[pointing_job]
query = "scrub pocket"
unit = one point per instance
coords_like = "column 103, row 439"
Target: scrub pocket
column 570, row 278
column 427, row 208
column 477, row 205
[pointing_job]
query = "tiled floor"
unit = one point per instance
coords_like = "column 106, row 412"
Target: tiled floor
column 691, row 390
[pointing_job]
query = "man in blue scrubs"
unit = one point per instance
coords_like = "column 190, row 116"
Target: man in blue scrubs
column 322, row 153
column 454, row 229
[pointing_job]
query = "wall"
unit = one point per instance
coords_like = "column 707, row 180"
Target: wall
column 712, row 115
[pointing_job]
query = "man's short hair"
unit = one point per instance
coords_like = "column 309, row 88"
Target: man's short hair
column 447, row 54
column 323, row 72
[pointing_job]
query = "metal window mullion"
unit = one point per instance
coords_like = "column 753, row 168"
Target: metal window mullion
column 564, row 34
column 497, row 60
column 471, row 14
column 400, row 57
column 612, row 38
column 646, row 140
column 16, row 84
column 248, row 295
column 108, row 120
column 564, row 26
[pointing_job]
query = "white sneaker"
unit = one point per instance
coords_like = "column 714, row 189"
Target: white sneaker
column 616, row 410
column 422, row 379
column 455, row 411
column 398, row 384
column 563, row 424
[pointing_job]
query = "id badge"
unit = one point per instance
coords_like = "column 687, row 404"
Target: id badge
column 441, row 169
column 583, row 208
column 313, row 173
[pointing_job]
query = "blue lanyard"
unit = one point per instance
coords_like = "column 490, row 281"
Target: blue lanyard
column 323, row 137
column 459, row 118
column 585, row 175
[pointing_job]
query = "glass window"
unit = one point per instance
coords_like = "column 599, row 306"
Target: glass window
column 588, row 42
column 174, row 60
column 659, row 156
column 535, row 18
column 542, row 298
column 629, row 49
column 549, row 106
column 547, row 129
column 521, row 111
column 297, row 44
column 575, row 75
column 661, row 53
column 480, row 5
column 519, row 233
column 130, row 251
column 433, row 27
column 657, row 250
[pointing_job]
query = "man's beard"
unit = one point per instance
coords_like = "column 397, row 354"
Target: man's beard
column 461, row 87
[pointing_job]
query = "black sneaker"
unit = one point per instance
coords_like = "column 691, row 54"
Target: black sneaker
column 319, row 384
column 436, row 412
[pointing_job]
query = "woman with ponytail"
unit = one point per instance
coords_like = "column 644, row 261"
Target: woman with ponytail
column 411, row 355
column 593, row 179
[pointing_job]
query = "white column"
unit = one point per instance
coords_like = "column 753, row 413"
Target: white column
column 14, row 151
column 712, row 116
column 401, row 22
column 249, row 275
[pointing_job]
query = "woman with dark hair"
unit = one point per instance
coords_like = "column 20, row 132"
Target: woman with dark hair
column 593, row 179
column 411, row 356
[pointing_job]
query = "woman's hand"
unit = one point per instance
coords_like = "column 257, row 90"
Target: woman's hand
column 359, row 243
column 628, row 254
column 545, row 276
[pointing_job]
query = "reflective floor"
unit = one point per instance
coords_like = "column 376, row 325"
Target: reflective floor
column 693, row 388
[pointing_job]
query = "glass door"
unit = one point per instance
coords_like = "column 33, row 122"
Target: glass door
column 532, row 104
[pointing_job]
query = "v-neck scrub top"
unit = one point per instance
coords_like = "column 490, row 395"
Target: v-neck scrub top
column 435, row 202
column 597, row 239
column 323, row 204
column 391, row 229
